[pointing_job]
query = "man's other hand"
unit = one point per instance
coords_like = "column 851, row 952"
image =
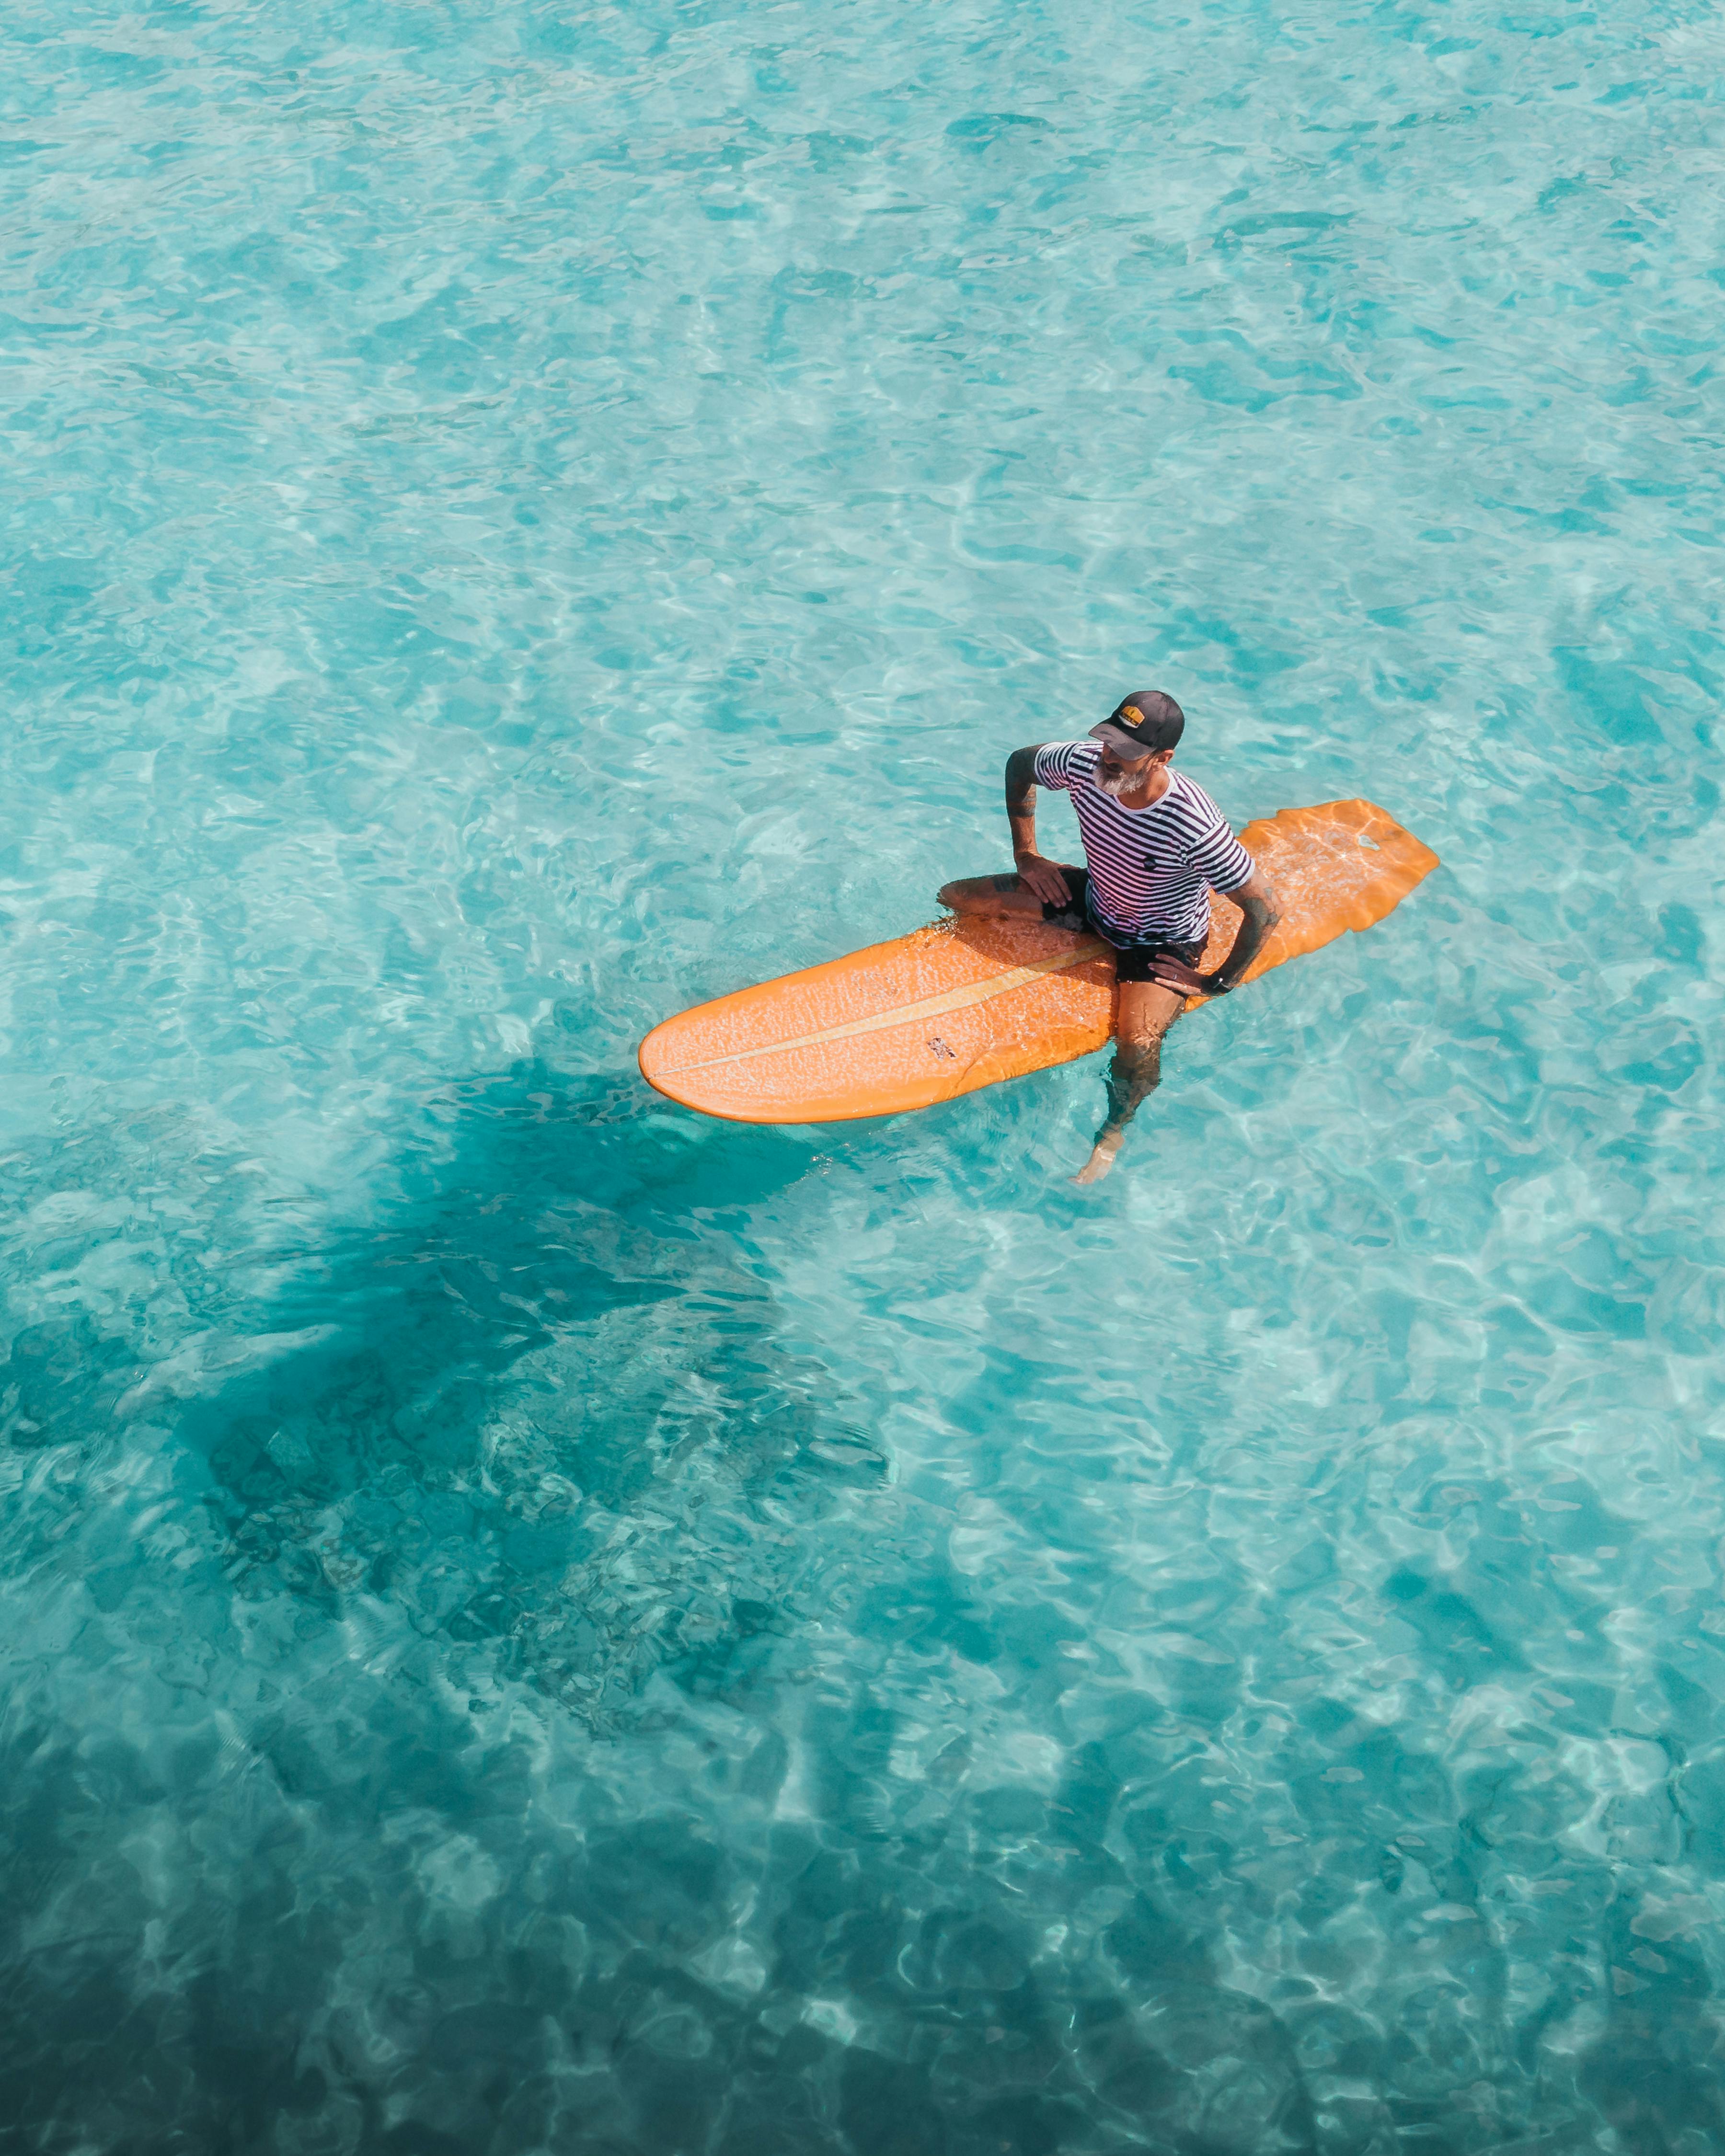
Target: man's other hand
column 1043, row 878
column 1168, row 972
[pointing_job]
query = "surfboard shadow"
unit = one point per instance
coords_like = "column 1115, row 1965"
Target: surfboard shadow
column 539, row 1334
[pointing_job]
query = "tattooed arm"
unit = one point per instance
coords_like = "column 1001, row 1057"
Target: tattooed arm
column 1041, row 877
column 1257, row 902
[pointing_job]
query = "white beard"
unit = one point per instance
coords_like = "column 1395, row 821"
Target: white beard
column 1114, row 787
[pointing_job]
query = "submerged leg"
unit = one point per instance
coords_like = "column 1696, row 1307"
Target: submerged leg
column 1146, row 1011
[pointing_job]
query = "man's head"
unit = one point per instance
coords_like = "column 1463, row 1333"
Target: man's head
column 1137, row 738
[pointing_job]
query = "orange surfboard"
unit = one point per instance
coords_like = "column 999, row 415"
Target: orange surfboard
column 966, row 1003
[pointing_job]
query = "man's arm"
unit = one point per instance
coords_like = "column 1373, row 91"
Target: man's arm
column 1257, row 902
column 1040, row 877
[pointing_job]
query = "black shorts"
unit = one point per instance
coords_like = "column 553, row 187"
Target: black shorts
column 1132, row 961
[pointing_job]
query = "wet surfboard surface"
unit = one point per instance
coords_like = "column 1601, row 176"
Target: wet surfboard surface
column 962, row 1004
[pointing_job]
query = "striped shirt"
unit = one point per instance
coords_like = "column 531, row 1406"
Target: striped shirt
column 1150, row 868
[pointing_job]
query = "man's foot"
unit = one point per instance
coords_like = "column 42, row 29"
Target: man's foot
column 1098, row 1165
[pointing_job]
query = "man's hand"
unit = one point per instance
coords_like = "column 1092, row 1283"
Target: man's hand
column 1042, row 878
column 1168, row 972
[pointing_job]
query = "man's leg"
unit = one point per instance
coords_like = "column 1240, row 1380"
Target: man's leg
column 1146, row 1011
column 991, row 896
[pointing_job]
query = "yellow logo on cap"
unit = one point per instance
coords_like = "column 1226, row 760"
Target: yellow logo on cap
column 1132, row 713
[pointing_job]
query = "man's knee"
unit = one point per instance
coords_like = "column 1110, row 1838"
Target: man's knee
column 1142, row 1021
column 1141, row 1043
column 975, row 894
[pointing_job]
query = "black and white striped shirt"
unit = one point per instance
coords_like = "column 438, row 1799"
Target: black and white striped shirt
column 1149, row 868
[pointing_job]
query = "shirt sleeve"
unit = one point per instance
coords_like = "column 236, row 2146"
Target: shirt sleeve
column 1221, row 861
column 1053, row 766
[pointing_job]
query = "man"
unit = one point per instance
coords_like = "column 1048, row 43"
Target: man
column 1156, row 845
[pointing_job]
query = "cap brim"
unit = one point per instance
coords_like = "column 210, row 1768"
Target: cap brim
column 1118, row 737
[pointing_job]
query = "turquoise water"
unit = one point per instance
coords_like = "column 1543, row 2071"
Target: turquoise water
column 533, row 1622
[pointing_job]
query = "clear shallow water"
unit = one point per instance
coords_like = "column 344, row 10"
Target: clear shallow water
column 532, row 1622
